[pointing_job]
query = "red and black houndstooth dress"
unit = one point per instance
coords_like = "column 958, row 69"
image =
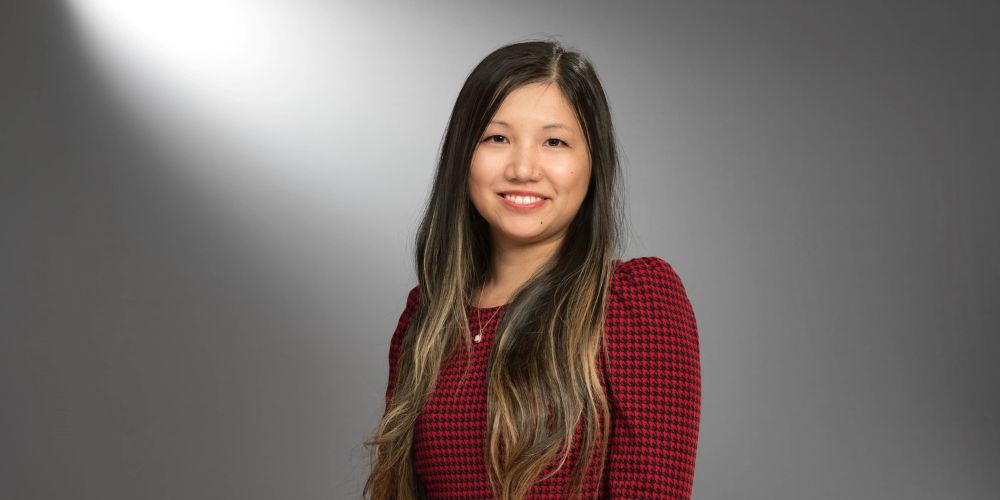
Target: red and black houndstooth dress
column 651, row 372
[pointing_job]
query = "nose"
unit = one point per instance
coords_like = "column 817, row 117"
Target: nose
column 523, row 163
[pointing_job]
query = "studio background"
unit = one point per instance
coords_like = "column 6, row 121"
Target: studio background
column 208, row 208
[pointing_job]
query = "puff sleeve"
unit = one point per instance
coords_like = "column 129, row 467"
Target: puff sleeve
column 653, row 379
column 396, row 341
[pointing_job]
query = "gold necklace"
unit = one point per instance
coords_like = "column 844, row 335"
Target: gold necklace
column 479, row 316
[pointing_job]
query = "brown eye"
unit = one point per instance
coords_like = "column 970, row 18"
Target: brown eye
column 492, row 137
column 556, row 143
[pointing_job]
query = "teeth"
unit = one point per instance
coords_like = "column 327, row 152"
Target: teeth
column 522, row 200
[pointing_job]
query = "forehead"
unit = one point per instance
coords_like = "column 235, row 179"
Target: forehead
column 536, row 104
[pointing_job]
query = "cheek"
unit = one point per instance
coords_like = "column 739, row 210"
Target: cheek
column 479, row 169
column 479, row 184
column 476, row 176
column 579, row 178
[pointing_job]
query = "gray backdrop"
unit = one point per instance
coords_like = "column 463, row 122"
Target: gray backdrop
column 207, row 212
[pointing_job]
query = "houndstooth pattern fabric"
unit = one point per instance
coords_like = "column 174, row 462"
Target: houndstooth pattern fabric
column 650, row 369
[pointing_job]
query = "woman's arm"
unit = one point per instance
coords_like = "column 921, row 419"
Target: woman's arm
column 653, row 375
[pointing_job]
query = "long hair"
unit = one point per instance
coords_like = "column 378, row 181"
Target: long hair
column 543, row 371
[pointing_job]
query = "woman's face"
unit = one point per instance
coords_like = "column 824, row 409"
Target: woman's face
column 531, row 168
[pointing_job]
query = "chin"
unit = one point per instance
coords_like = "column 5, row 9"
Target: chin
column 524, row 237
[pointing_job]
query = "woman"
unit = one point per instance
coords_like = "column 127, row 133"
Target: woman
column 529, row 362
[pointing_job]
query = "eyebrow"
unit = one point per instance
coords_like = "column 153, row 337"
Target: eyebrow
column 551, row 125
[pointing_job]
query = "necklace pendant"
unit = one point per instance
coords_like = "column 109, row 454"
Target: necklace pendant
column 478, row 337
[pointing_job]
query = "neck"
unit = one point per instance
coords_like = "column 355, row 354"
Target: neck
column 514, row 264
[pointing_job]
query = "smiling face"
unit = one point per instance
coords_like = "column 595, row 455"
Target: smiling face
column 531, row 168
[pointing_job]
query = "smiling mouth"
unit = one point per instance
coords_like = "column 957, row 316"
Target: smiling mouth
column 523, row 203
column 522, row 200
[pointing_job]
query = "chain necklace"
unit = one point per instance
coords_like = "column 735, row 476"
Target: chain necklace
column 479, row 316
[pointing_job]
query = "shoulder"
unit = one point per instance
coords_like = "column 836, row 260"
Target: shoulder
column 648, row 301
column 412, row 302
column 644, row 276
column 413, row 297
column 406, row 316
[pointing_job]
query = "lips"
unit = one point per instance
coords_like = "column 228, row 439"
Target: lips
column 519, row 192
column 522, row 203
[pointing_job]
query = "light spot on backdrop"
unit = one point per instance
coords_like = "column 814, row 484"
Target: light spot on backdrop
column 264, row 109
column 262, row 80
